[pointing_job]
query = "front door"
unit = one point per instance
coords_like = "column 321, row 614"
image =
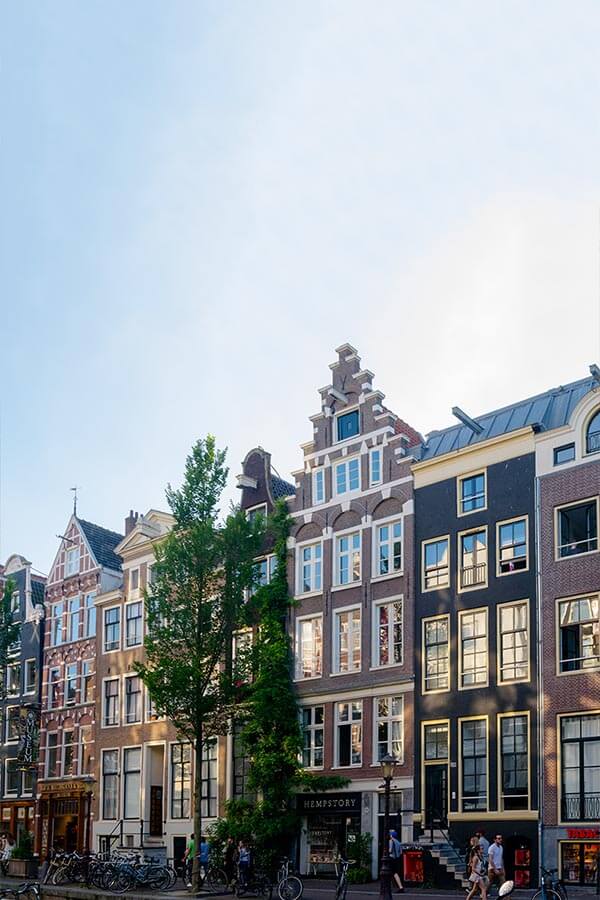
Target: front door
column 156, row 810
column 436, row 794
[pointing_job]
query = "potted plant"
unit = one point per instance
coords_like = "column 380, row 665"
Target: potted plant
column 22, row 864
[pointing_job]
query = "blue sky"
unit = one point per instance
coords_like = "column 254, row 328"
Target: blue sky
column 201, row 200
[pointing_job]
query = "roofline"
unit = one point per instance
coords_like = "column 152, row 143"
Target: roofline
column 471, row 448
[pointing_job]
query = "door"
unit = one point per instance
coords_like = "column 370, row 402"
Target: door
column 156, row 810
column 436, row 794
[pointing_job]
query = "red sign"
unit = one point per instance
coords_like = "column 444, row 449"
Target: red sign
column 583, row 834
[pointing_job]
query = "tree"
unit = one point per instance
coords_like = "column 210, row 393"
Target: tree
column 9, row 631
column 202, row 570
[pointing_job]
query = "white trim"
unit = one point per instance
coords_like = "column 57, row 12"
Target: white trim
column 297, row 655
column 335, row 618
column 105, row 610
column 376, row 604
column 376, row 524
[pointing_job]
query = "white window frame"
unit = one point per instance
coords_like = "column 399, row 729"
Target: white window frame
column 312, row 729
column 7, row 739
column 390, row 719
column 73, row 679
column 582, row 670
column 376, row 648
column 9, row 667
column 479, row 585
column 463, row 613
column 87, row 614
column 513, row 521
column 318, row 474
column 424, row 544
column 353, row 630
column 557, row 512
column 118, row 702
column 51, row 685
column 499, row 649
column 298, row 647
column 388, row 522
column 345, row 461
column 300, row 592
column 53, row 620
column 336, row 726
column 127, row 678
column 459, row 498
column 117, row 775
column 106, row 610
column 33, row 689
column 6, row 792
column 75, row 748
column 126, row 607
column 373, row 481
column 134, row 592
column 123, row 755
column 258, row 508
column 84, row 675
column 69, row 555
column 59, row 752
column 347, row 533
column 74, row 598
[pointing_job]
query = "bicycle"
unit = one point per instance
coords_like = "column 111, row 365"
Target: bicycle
column 25, row 891
column 289, row 887
column 255, row 883
column 341, row 887
column 552, row 888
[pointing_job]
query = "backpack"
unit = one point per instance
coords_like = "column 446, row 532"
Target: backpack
column 396, row 849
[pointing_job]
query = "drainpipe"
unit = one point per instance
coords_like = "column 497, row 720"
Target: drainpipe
column 540, row 677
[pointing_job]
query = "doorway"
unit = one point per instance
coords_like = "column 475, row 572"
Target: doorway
column 436, row 795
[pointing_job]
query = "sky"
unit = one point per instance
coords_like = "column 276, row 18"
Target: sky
column 201, row 200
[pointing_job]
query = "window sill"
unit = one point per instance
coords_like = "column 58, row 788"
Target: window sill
column 351, row 672
column 590, row 670
column 309, row 594
column 385, row 667
column 439, row 587
column 397, row 574
column 351, row 766
column 344, row 587
column 576, row 555
column 475, row 687
column 476, row 587
column 308, row 678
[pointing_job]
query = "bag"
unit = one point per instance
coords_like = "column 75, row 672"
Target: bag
column 396, row 849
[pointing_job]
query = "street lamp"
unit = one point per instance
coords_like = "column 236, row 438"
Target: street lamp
column 388, row 764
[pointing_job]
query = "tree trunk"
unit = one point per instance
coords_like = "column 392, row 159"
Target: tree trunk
column 198, row 746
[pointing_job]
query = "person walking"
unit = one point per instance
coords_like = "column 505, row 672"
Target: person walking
column 496, row 862
column 188, row 860
column 395, row 855
column 476, row 871
column 244, row 859
column 483, row 843
column 7, row 852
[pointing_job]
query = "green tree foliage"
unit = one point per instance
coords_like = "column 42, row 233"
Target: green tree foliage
column 194, row 606
column 9, row 631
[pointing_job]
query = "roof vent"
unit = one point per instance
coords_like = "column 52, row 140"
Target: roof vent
column 475, row 427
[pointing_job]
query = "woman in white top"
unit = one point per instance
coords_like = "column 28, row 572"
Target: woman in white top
column 7, row 852
column 476, row 876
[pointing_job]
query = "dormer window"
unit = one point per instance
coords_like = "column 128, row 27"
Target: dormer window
column 592, row 437
column 251, row 514
column 348, row 425
column 72, row 564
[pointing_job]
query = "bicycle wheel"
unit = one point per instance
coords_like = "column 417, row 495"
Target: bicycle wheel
column 62, row 875
column 290, row 888
column 119, row 881
column 547, row 894
column 216, row 881
column 341, row 889
column 561, row 890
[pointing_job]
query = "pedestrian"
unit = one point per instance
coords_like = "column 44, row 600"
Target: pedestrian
column 7, row 852
column 483, row 843
column 188, row 860
column 395, row 855
column 203, row 855
column 496, row 862
column 229, row 857
column 244, row 859
column 476, row 873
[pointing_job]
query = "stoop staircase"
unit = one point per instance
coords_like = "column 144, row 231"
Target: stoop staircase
column 441, row 848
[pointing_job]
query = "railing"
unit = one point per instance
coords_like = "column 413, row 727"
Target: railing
column 471, row 575
column 592, row 442
column 581, row 807
column 572, row 548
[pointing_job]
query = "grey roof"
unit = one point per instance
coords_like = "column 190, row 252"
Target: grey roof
column 545, row 412
column 102, row 543
column 281, row 488
column 37, row 592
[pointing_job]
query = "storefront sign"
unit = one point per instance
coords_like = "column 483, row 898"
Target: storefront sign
column 583, row 834
column 319, row 803
column 65, row 787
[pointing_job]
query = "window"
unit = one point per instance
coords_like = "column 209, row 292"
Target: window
column 12, row 782
column 181, row 769
column 318, row 486
column 57, row 623
column 111, row 702
column 436, row 740
column 86, row 765
column 72, row 562
column 348, row 720
column 12, row 723
column 112, row 629
column 110, row 784
column 471, row 493
column 13, row 679
column 209, row 780
column 578, row 528
column 151, row 711
column 436, row 571
column 53, row 688
column 579, row 624
column 134, row 580
column 436, row 654
column 310, row 568
column 347, row 558
column 309, row 647
column 241, row 766
column 71, row 679
column 255, row 512
column 389, row 725
column 73, row 619
column 87, row 681
column 313, row 723
column 473, row 559
column 514, row 642
column 90, row 615
column 512, row 546
column 30, row 676
column 474, row 765
column 580, row 739
column 263, row 571
column 68, row 753
column 133, row 699
column 347, row 476
column 15, row 604
column 388, row 548
column 564, row 454
column 133, row 624
column 52, row 755
column 375, row 467
column 388, row 633
column 473, row 648
column 592, row 437
column 346, row 628
column 132, row 767
column 348, row 425
column 514, row 761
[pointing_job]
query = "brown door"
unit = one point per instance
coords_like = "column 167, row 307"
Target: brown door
column 156, row 810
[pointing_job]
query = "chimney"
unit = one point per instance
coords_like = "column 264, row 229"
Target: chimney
column 131, row 522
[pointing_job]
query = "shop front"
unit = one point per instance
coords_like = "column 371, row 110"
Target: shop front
column 579, row 856
column 331, row 823
column 17, row 817
column 65, row 811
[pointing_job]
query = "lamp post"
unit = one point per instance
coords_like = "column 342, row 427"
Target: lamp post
column 385, row 873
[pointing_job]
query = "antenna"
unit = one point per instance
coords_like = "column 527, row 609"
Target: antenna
column 74, row 489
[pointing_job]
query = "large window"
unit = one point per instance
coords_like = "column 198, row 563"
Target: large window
column 436, row 740
column 512, row 546
column 263, row 571
column 436, row 571
column 74, row 618
column 112, row 629
column 346, row 635
column 471, row 493
column 514, row 641
column 181, row 773
column 579, row 626
column 87, row 681
column 72, row 562
column 110, row 784
column 577, row 528
column 209, row 780
column 473, row 559
column 473, row 648
column 132, row 770
column 90, row 615
column 318, row 486
column 133, row 624
column 473, row 737
column 12, row 723
column 13, row 679
column 348, row 723
column 86, row 762
column 313, row 719
column 347, row 558
column 348, row 425
column 375, row 466
column 52, row 755
column 69, row 753
column 436, row 654
column 580, row 755
column 592, row 436
column 388, row 548
column 389, row 727
column 347, row 476
column 58, row 610
column 133, row 699
column 30, row 676
column 71, row 679
column 388, row 633
column 310, row 568
column 53, row 688
column 111, row 702
column 309, row 647
column 241, row 766
column 12, row 782
column 514, row 759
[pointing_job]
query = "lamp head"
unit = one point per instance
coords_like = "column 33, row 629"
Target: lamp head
column 388, row 764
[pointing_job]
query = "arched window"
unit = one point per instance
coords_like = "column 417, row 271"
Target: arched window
column 592, row 439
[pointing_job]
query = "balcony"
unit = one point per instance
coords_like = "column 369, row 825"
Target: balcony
column 581, row 807
column 470, row 576
column 592, row 442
